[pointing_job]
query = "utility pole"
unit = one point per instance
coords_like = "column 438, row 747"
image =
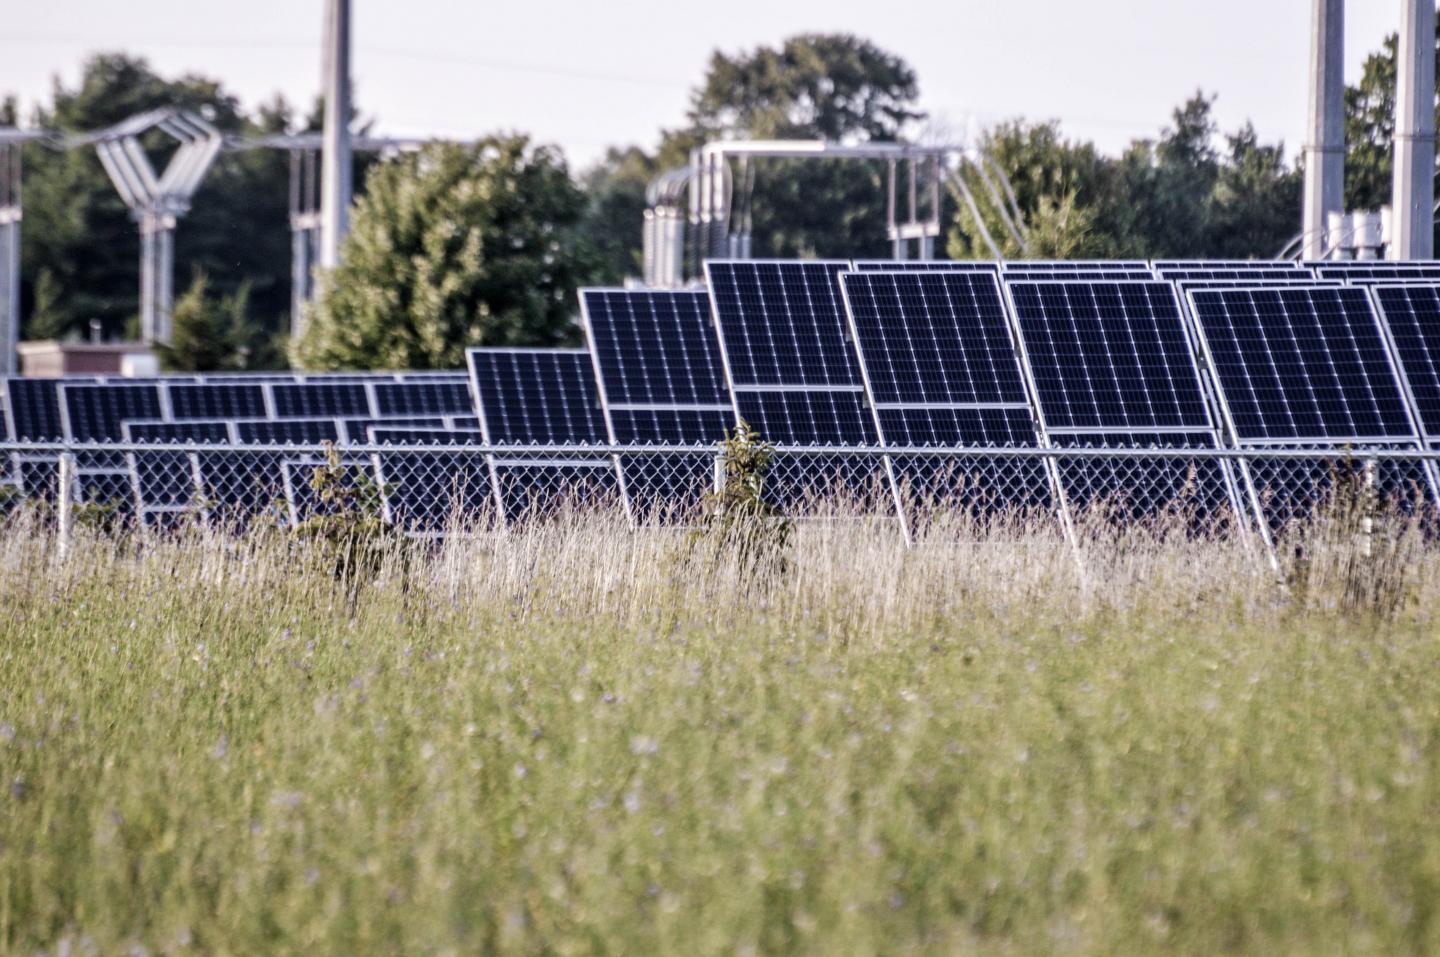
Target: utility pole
column 1414, row 189
column 335, row 186
column 1325, row 142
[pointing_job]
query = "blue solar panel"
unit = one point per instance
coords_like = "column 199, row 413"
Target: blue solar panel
column 545, row 396
column 793, row 372
column 1235, row 264
column 448, row 396
column 281, row 431
column 425, row 492
column 938, row 358
column 662, row 379
column 1301, row 364
column 216, row 400
column 94, row 413
column 656, row 354
column 1085, row 266
column 1363, row 273
column 1088, row 275
column 1112, row 365
column 358, row 430
column 1110, row 356
column 926, row 265
column 1412, row 314
column 1280, row 274
column 320, row 400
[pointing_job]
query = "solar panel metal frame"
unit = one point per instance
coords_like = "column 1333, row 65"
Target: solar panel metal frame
column 608, row 405
column 925, row 265
column 1159, row 264
column 736, row 388
column 1212, row 429
column 494, row 463
column 1028, row 405
column 1074, row 265
column 1247, row 467
column 1427, row 436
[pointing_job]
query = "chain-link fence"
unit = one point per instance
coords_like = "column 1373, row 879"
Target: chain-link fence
column 433, row 489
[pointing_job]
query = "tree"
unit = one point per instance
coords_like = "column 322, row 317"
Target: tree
column 1255, row 202
column 208, row 333
column 451, row 247
column 1066, row 191
column 615, row 211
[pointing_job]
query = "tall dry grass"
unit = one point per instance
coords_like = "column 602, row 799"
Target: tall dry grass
column 578, row 736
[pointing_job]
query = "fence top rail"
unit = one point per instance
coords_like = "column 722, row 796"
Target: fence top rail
column 1328, row 453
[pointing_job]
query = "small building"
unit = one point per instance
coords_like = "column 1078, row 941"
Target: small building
column 49, row 359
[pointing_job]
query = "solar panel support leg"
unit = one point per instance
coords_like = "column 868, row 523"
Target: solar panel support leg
column 65, row 504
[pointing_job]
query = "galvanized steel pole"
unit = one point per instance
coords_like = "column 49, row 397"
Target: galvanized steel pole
column 1325, row 142
column 335, row 185
column 1414, row 187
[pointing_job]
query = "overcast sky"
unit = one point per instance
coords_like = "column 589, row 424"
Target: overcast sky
column 590, row 73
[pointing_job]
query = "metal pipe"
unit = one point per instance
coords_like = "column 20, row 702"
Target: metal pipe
column 1414, row 184
column 1325, row 146
column 335, row 189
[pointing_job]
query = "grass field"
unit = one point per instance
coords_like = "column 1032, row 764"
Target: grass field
column 583, row 738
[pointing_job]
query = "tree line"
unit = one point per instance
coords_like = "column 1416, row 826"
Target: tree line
column 456, row 245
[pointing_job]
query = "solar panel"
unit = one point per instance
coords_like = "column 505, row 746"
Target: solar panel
column 1076, row 265
column 941, row 369
column 427, row 492
column 1363, row 272
column 1112, row 364
column 1305, row 366
column 545, row 396
column 1088, row 275
column 447, row 396
column 661, row 379
column 1301, row 365
column 358, row 430
column 926, row 265
column 168, row 481
column 282, row 431
column 1237, row 264
column 216, row 400
column 1281, row 274
column 320, row 400
column 1412, row 315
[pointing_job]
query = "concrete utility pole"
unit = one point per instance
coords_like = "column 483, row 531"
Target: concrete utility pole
column 335, row 186
column 1414, row 196
column 1325, row 143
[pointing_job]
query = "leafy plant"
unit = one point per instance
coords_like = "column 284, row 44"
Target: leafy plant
column 738, row 520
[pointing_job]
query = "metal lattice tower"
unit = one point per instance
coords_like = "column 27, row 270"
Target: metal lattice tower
column 157, row 202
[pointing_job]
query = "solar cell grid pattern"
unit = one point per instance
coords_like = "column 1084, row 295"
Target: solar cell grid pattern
column 32, row 407
column 1360, row 273
column 1413, row 315
column 94, row 413
column 938, row 357
column 1077, row 265
column 1304, row 364
column 926, row 265
column 216, row 400
column 1109, row 356
column 297, row 431
column 447, row 396
column 1089, row 275
column 537, row 395
column 782, row 323
column 783, row 330
column 659, row 364
column 1282, row 274
column 320, row 399
column 1238, row 264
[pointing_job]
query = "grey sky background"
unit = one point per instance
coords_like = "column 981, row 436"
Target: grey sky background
column 586, row 75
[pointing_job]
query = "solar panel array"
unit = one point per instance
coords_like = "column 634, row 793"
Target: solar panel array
column 894, row 354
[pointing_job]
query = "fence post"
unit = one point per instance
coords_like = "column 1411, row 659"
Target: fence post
column 1367, row 521
column 64, row 501
column 717, row 477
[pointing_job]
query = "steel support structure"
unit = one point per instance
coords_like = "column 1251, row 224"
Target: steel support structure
column 335, row 183
column 12, row 143
column 1414, row 185
column 1325, row 132
column 157, row 202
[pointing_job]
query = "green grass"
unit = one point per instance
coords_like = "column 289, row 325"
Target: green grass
column 580, row 738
